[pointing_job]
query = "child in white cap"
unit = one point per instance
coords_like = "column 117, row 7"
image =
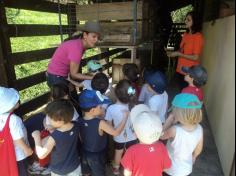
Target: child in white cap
column 149, row 157
column 185, row 139
column 14, row 147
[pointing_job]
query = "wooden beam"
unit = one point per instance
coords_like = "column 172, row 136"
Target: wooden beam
column 28, row 30
column 6, row 46
column 71, row 18
column 35, row 5
column 33, row 104
column 108, row 11
column 29, row 81
column 31, row 56
column 101, row 56
column 3, row 73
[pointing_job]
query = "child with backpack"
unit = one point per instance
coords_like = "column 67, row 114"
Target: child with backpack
column 14, row 147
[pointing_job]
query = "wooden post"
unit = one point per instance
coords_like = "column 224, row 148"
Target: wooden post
column 71, row 18
column 7, row 69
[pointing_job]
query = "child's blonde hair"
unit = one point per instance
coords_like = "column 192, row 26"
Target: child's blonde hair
column 188, row 116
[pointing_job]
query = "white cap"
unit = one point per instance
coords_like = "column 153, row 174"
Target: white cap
column 147, row 124
column 8, row 99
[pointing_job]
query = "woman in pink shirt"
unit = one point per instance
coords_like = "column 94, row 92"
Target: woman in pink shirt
column 66, row 59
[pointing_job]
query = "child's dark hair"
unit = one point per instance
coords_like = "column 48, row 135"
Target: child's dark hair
column 100, row 82
column 123, row 94
column 131, row 71
column 60, row 110
column 59, row 91
column 87, row 109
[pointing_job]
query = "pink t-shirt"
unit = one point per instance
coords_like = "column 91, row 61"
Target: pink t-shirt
column 71, row 50
column 147, row 160
column 193, row 90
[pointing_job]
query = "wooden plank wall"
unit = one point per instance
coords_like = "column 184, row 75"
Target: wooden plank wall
column 8, row 59
column 117, row 19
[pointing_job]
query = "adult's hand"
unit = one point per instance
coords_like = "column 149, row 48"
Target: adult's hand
column 173, row 53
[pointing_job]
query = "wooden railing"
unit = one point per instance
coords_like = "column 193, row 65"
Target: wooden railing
column 9, row 60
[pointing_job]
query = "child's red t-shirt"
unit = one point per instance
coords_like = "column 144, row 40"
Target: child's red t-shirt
column 193, row 90
column 148, row 160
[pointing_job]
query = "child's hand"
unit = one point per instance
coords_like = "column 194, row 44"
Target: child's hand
column 36, row 134
column 28, row 151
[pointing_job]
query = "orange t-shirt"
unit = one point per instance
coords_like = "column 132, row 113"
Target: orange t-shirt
column 191, row 44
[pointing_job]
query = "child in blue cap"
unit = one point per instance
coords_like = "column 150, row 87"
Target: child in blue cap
column 158, row 102
column 185, row 139
column 93, row 132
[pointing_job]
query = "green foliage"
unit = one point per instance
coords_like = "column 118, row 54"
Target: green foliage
column 179, row 15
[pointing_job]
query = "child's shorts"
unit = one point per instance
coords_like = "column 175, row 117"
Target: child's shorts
column 126, row 145
column 76, row 172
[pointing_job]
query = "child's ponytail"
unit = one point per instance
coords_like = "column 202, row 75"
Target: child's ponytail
column 125, row 93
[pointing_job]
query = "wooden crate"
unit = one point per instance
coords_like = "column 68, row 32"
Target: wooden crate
column 116, row 20
column 117, row 65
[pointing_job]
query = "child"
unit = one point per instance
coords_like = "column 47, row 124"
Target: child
column 61, row 91
column 94, row 67
column 196, row 77
column 100, row 83
column 125, row 94
column 14, row 148
column 92, row 132
column 131, row 73
column 185, row 140
column 157, row 84
column 62, row 143
column 145, row 94
column 149, row 157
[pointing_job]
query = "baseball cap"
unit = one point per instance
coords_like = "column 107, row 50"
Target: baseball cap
column 157, row 80
column 93, row 65
column 146, row 123
column 8, row 99
column 186, row 101
column 91, row 98
column 197, row 72
column 92, row 26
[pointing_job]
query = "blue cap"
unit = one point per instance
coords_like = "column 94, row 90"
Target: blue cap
column 187, row 101
column 157, row 80
column 93, row 65
column 91, row 98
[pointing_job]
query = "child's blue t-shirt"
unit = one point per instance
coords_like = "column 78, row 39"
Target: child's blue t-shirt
column 92, row 141
column 64, row 156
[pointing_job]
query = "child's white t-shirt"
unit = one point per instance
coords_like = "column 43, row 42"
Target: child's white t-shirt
column 181, row 149
column 115, row 114
column 17, row 130
column 145, row 94
column 159, row 104
column 87, row 84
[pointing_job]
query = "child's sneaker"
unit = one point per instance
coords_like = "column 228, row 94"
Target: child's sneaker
column 35, row 168
column 47, row 171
